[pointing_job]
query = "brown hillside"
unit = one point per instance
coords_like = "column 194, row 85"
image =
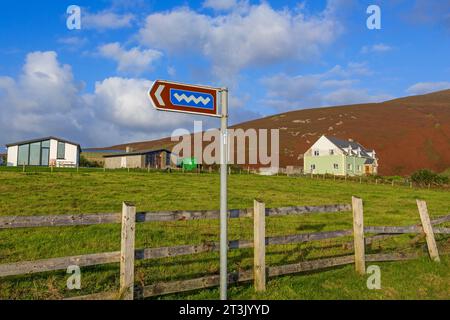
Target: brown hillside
column 408, row 133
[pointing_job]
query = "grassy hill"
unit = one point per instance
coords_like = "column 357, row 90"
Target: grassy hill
column 408, row 133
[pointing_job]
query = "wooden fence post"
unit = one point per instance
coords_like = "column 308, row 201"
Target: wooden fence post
column 428, row 230
column 259, row 242
column 127, row 251
column 358, row 235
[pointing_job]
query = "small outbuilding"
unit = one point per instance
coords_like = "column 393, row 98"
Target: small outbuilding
column 153, row 158
column 48, row 151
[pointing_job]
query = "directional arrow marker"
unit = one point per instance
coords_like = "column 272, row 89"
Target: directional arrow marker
column 177, row 97
column 158, row 94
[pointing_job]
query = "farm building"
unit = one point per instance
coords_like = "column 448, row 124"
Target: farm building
column 154, row 158
column 329, row 155
column 49, row 151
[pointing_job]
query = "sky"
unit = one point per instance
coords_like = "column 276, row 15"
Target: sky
column 90, row 85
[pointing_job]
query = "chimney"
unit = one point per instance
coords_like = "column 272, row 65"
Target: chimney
column 350, row 139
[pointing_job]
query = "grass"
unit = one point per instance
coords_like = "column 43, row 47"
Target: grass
column 92, row 191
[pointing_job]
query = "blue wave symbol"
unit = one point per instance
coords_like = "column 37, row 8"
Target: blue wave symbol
column 185, row 98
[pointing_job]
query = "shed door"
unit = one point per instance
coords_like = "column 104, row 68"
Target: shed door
column 123, row 162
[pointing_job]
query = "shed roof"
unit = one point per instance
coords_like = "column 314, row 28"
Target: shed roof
column 41, row 139
column 136, row 153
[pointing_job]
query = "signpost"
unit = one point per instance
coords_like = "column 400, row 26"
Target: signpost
column 202, row 100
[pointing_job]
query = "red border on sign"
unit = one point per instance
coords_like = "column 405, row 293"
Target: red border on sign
column 168, row 106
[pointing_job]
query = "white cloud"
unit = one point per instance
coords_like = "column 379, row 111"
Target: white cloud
column 255, row 36
column 376, row 48
column 43, row 76
column 43, row 99
column 171, row 71
column 125, row 103
column 134, row 60
column 336, row 86
column 350, row 70
column 46, row 100
column 75, row 42
column 106, row 20
column 344, row 96
column 427, row 87
column 219, row 4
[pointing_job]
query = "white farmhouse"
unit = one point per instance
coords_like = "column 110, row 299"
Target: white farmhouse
column 49, row 151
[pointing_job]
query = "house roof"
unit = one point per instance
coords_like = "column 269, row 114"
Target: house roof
column 369, row 161
column 41, row 139
column 344, row 144
column 136, row 153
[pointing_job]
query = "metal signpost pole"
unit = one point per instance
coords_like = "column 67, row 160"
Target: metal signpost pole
column 203, row 100
column 223, row 195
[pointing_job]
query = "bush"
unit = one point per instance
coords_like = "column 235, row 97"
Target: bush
column 426, row 177
column 85, row 163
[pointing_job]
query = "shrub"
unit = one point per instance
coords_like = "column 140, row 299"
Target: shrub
column 84, row 162
column 426, row 177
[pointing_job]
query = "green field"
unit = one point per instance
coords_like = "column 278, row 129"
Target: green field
column 94, row 191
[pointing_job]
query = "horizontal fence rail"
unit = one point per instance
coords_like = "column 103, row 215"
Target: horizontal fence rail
column 54, row 264
column 10, row 222
column 164, row 288
column 403, row 230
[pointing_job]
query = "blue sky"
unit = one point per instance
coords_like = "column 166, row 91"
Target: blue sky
column 90, row 85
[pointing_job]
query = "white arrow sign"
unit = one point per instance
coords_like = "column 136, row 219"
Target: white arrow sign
column 158, row 94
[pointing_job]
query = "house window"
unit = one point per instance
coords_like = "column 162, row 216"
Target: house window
column 61, row 153
column 24, row 151
column 35, row 154
column 331, row 152
column 45, row 152
column 359, row 168
column 313, row 167
column 336, row 166
column 316, row 152
column 349, row 166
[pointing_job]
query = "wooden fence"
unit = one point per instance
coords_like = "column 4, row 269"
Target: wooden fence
column 128, row 253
